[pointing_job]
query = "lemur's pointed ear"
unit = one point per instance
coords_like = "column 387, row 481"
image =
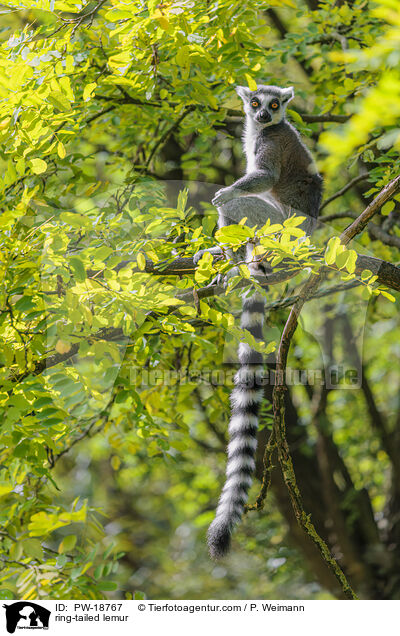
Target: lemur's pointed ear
column 287, row 94
column 243, row 92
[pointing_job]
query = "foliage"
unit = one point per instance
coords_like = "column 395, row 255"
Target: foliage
column 113, row 119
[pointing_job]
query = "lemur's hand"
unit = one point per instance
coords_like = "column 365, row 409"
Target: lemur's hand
column 224, row 195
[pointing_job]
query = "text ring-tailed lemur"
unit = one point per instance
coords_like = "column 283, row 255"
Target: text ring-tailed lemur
column 281, row 179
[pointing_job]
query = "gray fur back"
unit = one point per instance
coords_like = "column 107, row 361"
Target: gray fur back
column 299, row 186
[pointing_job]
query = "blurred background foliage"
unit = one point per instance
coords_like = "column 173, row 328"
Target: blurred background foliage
column 118, row 121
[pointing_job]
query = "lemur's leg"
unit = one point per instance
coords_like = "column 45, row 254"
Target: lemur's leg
column 215, row 251
column 257, row 210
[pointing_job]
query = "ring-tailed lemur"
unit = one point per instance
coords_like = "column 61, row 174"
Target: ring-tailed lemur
column 281, row 179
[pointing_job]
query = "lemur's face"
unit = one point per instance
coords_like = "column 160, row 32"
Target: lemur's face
column 267, row 104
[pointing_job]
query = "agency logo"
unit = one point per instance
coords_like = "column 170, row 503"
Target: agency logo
column 26, row 615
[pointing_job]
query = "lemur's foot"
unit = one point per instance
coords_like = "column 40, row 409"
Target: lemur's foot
column 222, row 279
column 219, row 279
column 214, row 251
column 264, row 268
column 224, row 195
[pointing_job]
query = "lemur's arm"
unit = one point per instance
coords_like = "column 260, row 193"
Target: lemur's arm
column 262, row 179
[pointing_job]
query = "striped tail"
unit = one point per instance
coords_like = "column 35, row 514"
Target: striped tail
column 245, row 401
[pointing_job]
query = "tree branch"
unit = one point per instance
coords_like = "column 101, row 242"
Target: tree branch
column 360, row 223
column 230, row 112
column 164, row 137
column 348, row 186
column 278, row 395
column 266, row 476
column 375, row 231
column 387, row 273
column 275, row 19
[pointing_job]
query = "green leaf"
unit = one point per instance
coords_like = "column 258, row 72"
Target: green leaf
column 204, row 268
column 25, row 303
column 250, row 82
column 78, row 268
column 387, row 207
column 38, row 165
column 295, row 115
column 61, row 150
column 107, row 586
column 6, row 594
column 88, row 91
column 61, row 560
column 331, row 250
column 139, row 596
column 366, row 292
column 141, row 261
column 388, row 296
column 21, row 449
column 365, row 274
column 32, row 548
column 76, row 220
column 234, row 234
column 244, row 270
column 120, row 60
column 41, row 402
column 351, row 261
column 341, row 258
column 67, row 544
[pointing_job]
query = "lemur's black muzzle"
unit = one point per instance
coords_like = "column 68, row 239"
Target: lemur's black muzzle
column 264, row 117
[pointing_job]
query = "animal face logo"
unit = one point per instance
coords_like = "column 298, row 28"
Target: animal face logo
column 26, row 615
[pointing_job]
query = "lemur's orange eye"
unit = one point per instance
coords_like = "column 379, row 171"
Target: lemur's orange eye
column 254, row 103
column 274, row 105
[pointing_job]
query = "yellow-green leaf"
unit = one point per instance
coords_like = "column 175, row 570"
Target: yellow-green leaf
column 141, row 261
column 67, row 544
column 365, row 274
column 250, row 82
column 388, row 296
column 295, row 115
column 32, row 548
column 61, row 150
column 38, row 166
column 331, row 249
column 351, row 261
column 387, row 207
column 88, row 91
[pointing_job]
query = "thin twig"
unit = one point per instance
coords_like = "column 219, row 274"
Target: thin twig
column 348, row 186
column 99, row 114
column 230, row 112
column 359, row 224
column 164, row 138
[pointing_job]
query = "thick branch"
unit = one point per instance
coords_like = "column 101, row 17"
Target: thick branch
column 315, row 279
column 375, row 231
column 387, row 273
column 360, row 223
column 326, row 118
column 110, row 334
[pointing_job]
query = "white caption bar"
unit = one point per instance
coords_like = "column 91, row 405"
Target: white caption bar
column 306, row 618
